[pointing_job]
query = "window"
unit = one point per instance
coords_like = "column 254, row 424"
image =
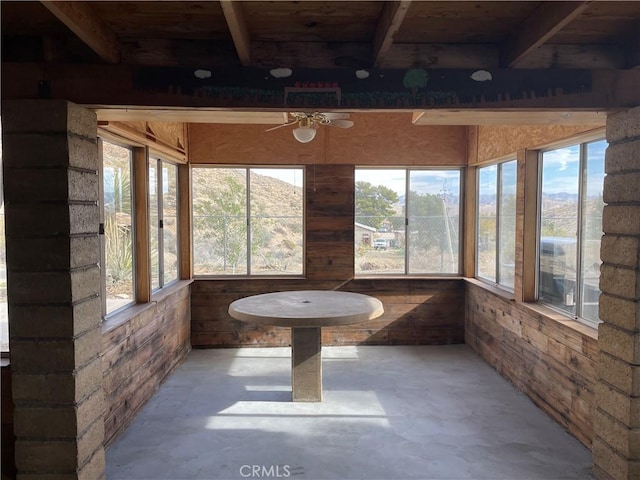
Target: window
column 163, row 222
column 571, row 228
column 496, row 223
column 247, row 221
column 407, row 221
column 117, row 227
column 4, row 315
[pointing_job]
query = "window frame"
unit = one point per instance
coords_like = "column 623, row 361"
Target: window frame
column 582, row 143
column 498, row 214
column 101, row 232
column 158, row 161
column 248, row 245
column 407, row 184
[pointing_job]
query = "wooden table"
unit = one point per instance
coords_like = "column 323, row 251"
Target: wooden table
column 306, row 312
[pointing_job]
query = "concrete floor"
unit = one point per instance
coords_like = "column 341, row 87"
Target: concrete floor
column 388, row 413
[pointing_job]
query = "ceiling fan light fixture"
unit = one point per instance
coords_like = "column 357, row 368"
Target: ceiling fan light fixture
column 304, row 134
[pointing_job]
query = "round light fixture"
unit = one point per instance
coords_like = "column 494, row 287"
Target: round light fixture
column 304, row 134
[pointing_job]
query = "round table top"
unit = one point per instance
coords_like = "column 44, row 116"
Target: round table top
column 306, row 308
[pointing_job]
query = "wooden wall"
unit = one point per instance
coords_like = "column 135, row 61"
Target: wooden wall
column 422, row 311
column 552, row 359
column 374, row 139
column 417, row 312
column 8, row 439
column 140, row 353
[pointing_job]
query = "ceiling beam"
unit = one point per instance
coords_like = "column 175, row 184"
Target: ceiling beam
column 543, row 23
column 129, row 87
column 633, row 47
column 389, row 22
column 81, row 20
column 238, row 28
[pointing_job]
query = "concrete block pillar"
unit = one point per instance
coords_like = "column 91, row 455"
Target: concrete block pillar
column 616, row 444
column 50, row 161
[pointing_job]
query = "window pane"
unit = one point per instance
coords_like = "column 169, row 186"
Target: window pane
column 118, row 234
column 507, row 246
column 170, row 221
column 219, row 221
column 434, row 217
column 379, row 221
column 487, row 217
column 276, row 221
column 558, row 227
column 154, row 231
column 592, row 206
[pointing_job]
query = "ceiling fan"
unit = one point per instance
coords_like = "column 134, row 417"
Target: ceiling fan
column 308, row 123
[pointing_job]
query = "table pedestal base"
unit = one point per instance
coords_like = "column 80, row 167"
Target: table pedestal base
column 306, row 364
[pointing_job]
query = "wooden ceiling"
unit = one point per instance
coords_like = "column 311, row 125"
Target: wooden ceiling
column 325, row 34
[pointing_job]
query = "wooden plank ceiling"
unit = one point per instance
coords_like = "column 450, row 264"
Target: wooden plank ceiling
column 326, row 34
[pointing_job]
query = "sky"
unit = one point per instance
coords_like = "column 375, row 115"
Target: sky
column 487, row 179
column 422, row 181
column 292, row 176
column 560, row 169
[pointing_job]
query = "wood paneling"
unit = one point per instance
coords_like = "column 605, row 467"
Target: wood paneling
column 141, row 224
column 329, row 221
column 550, row 361
column 8, row 439
column 417, row 311
column 140, row 353
column 375, row 139
column 526, row 224
column 184, row 219
column 470, row 189
column 497, row 141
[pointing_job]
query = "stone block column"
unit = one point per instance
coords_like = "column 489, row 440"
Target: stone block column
column 616, row 445
column 50, row 168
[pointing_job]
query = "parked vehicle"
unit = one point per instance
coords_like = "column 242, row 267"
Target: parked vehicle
column 380, row 244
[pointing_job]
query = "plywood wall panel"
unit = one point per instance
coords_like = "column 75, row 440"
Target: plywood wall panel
column 251, row 145
column 498, row 141
column 170, row 133
column 375, row 139
column 391, row 139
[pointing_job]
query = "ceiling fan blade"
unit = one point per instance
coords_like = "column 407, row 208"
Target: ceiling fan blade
column 280, row 126
column 335, row 115
column 342, row 123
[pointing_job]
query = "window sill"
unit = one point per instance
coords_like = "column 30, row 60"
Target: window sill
column 493, row 288
column 249, row 277
column 392, row 276
column 127, row 314
column 562, row 319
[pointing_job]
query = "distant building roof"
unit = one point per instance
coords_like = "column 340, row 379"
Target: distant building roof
column 365, row 227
